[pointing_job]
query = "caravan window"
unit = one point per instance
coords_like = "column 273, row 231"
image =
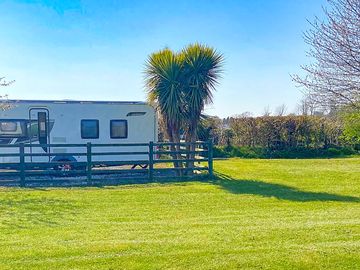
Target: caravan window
column 9, row 126
column 89, row 129
column 13, row 128
column 118, row 129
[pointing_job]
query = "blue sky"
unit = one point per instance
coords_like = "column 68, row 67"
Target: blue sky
column 95, row 50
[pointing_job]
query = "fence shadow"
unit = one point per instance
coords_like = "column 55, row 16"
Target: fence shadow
column 282, row 192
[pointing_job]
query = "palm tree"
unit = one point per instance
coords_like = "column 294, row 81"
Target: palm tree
column 179, row 85
column 202, row 67
column 164, row 89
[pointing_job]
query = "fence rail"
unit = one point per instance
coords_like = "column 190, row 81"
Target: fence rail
column 20, row 164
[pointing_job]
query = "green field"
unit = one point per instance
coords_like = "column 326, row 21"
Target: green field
column 258, row 214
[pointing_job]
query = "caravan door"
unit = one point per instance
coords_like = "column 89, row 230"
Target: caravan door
column 39, row 133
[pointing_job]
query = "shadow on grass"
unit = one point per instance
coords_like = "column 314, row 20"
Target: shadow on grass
column 246, row 186
column 226, row 182
column 282, row 192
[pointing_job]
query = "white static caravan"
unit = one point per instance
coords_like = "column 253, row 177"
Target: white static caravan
column 76, row 122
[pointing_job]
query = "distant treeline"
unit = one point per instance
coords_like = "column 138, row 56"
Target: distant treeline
column 279, row 132
column 278, row 136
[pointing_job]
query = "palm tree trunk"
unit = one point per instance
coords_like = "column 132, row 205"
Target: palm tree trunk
column 191, row 138
column 188, row 149
column 177, row 164
column 172, row 147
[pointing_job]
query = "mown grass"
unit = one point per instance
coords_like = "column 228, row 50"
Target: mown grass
column 257, row 214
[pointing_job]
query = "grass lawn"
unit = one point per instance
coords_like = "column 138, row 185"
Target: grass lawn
column 260, row 214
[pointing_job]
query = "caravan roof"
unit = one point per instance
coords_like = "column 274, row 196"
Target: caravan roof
column 76, row 102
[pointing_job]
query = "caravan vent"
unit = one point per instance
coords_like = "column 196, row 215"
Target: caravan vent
column 136, row 113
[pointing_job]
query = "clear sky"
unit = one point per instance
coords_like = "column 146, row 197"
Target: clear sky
column 95, row 50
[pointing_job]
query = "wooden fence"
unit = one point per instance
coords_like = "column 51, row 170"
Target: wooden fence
column 156, row 160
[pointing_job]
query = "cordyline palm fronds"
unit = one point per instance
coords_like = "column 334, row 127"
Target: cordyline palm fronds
column 162, row 78
column 201, row 72
column 163, row 71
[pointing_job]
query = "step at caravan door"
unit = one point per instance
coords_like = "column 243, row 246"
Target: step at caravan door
column 39, row 133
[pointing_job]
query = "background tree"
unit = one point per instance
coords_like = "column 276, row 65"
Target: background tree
column 210, row 128
column 4, row 105
column 267, row 111
column 281, row 110
column 333, row 78
column 351, row 119
column 307, row 106
column 228, row 135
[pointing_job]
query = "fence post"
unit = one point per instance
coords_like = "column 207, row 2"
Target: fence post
column 151, row 161
column 88, row 163
column 22, row 164
column 210, row 159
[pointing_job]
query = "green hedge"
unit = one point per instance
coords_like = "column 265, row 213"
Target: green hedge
column 254, row 152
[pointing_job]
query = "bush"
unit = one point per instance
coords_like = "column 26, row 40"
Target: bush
column 255, row 152
column 219, row 152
